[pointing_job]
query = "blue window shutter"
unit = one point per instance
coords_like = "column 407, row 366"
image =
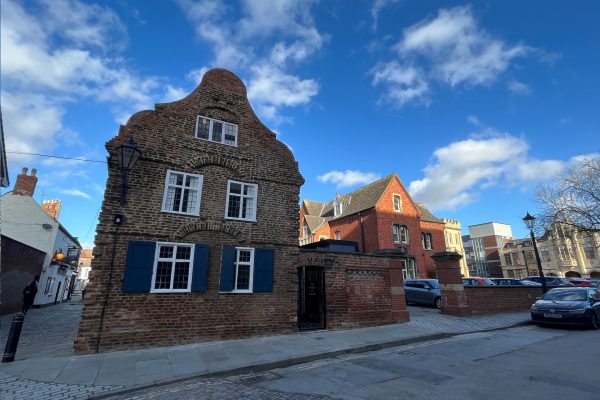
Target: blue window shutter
column 200, row 267
column 227, row 269
column 263, row 270
column 139, row 267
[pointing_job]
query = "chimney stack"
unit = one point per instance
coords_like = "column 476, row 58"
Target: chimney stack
column 25, row 185
column 52, row 207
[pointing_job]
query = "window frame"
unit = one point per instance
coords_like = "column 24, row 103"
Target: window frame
column 338, row 235
column 166, row 189
column 236, row 265
column 210, row 130
column 427, row 238
column 413, row 269
column 337, row 207
column 399, row 197
column 241, row 195
column 401, row 228
column 173, row 260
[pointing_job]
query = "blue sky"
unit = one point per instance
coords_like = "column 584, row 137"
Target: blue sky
column 472, row 104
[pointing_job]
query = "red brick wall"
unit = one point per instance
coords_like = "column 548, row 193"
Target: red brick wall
column 20, row 263
column 25, row 184
column 495, row 299
column 357, row 289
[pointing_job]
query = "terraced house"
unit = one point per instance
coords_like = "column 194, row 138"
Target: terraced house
column 380, row 216
column 205, row 245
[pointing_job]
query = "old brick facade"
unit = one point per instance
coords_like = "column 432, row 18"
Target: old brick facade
column 133, row 316
column 368, row 216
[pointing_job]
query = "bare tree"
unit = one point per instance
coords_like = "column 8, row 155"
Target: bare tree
column 572, row 200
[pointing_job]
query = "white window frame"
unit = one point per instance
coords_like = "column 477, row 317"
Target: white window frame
column 173, row 260
column 250, row 263
column 195, row 212
column 241, row 195
column 401, row 228
column 210, row 130
column 399, row 208
column 412, row 268
column 337, row 208
column 427, row 241
column 338, row 235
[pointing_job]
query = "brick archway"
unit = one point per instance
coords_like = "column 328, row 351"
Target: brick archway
column 216, row 160
column 209, row 226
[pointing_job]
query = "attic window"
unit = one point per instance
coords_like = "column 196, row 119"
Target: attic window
column 337, row 208
column 397, row 203
column 216, row 131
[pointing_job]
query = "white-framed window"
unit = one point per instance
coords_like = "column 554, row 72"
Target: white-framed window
column 216, row 131
column 338, row 235
column 244, row 270
column 400, row 234
column 337, row 208
column 409, row 269
column 173, row 265
column 397, row 202
column 241, row 201
column 426, row 239
column 305, row 230
column 182, row 193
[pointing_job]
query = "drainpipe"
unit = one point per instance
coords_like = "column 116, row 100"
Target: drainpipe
column 362, row 232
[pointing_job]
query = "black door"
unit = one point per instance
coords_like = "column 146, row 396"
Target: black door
column 311, row 298
column 57, row 293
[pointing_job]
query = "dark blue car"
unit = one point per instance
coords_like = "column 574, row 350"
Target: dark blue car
column 569, row 305
column 423, row 291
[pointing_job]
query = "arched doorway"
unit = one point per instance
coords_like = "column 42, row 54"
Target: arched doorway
column 595, row 275
column 572, row 274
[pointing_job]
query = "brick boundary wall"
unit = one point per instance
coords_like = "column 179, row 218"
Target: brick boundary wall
column 496, row 299
column 360, row 289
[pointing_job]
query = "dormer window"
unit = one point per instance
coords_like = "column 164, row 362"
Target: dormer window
column 216, row 131
column 337, row 208
column 397, row 203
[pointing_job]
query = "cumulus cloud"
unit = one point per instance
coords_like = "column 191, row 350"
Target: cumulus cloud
column 348, row 178
column 460, row 170
column 263, row 44
column 376, row 8
column 453, row 50
column 518, row 87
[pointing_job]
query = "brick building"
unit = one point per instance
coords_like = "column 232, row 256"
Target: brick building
column 484, row 242
column 378, row 216
column 208, row 246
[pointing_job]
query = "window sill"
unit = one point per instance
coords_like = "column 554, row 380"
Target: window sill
column 237, row 292
column 214, row 141
column 180, row 213
column 170, row 291
column 241, row 219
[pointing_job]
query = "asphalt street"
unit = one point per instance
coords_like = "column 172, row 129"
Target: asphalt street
column 521, row 363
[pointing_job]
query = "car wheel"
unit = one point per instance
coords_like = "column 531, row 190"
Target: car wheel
column 438, row 303
column 595, row 322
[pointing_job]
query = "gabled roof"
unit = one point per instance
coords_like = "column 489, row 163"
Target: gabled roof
column 314, row 221
column 361, row 199
column 426, row 215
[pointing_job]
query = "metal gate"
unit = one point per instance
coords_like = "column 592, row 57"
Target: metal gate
column 311, row 298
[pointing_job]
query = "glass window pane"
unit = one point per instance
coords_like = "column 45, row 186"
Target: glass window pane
column 203, row 128
column 182, row 271
column 244, row 256
column 184, row 252
column 163, row 275
column 235, row 188
column 177, row 199
column 249, row 190
column 233, row 209
column 165, row 252
column 243, row 277
column 217, row 131
column 170, row 198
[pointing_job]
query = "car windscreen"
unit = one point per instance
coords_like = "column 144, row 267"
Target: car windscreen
column 566, row 295
column 435, row 284
column 489, row 281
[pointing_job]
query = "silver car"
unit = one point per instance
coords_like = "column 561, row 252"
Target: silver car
column 423, row 291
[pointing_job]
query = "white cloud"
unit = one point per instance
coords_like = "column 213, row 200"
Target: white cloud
column 518, row 87
column 452, row 49
column 473, row 120
column 196, row 75
column 405, row 84
column 376, row 8
column 77, row 193
column 245, row 43
column 348, row 178
column 460, row 170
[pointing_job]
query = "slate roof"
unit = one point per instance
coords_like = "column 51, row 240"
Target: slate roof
column 361, row 199
column 426, row 215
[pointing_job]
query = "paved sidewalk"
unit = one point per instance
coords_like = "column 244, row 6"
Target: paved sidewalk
column 79, row 377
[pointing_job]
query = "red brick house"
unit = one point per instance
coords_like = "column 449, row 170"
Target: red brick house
column 379, row 216
column 208, row 244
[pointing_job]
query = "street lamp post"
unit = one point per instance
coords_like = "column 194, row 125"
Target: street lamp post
column 530, row 223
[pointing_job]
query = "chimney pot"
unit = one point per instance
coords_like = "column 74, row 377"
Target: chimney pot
column 33, row 171
column 24, row 171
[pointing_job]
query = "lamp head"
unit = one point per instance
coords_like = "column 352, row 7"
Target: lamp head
column 127, row 154
column 529, row 221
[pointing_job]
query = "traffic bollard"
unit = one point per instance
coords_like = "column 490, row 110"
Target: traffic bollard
column 13, row 338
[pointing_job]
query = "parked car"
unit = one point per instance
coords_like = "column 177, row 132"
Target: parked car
column 512, row 282
column 527, row 282
column 569, row 305
column 476, row 281
column 423, row 291
column 551, row 281
column 581, row 282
